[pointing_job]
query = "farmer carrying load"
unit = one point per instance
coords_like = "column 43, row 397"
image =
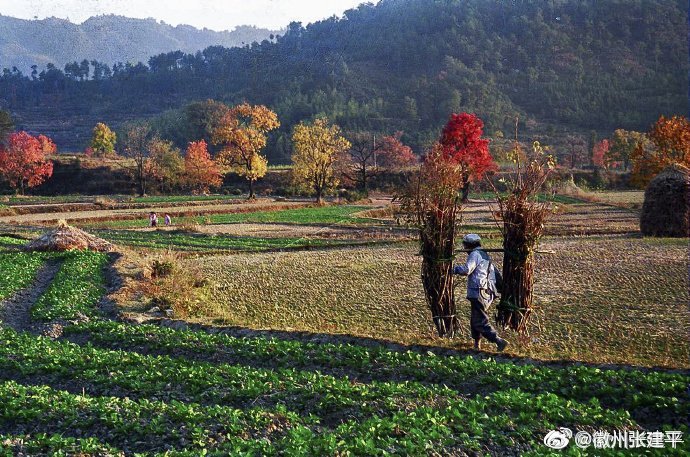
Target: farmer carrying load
column 481, row 290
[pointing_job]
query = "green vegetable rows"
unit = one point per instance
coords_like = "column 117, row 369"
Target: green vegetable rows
column 76, row 288
column 17, row 270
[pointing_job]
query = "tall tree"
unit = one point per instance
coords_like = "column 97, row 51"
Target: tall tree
column 200, row 171
column 577, row 150
column 164, row 164
column 316, row 148
column 671, row 140
column 461, row 141
column 137, row 137
column 242, row 135
column 23, row 162
column 358, row 163
column 103, row 140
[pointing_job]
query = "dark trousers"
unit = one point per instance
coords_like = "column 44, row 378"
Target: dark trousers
column 479, row 322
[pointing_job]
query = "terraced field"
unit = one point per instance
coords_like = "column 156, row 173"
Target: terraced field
column 347, row 363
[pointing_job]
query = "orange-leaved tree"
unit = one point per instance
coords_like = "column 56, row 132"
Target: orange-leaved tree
column 23, row 162
column 242, row 135
column 462, row 142
column 670, row 138
column 47, row 145
column 200, row 170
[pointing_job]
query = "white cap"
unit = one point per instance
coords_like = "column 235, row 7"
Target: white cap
column 471, row 238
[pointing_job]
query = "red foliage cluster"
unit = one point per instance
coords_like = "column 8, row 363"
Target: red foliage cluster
column 462, row 142
column 23, row 160
column 393, row 154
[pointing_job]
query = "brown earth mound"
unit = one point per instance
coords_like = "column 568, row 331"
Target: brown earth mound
column 666, row 208
column 65, row 238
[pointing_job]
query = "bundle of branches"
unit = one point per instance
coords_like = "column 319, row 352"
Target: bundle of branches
column 433, row 204
column 522, row 216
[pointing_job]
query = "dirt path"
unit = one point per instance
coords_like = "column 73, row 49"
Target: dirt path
column 15, row 312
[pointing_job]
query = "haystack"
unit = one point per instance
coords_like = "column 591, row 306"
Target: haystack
column 666, row 208
column 65, row 238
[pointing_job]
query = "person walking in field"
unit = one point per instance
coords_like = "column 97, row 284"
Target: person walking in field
column 481, row 290
column 153, row 219
column 168, row 220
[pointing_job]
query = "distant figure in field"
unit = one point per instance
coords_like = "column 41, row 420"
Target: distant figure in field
column 481, row 290
column 153, row 219
column 168, row 220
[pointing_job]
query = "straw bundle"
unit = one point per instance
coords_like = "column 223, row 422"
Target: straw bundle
column 522, row 217
column 433, row 205
column 65, row 238
column 666, row 208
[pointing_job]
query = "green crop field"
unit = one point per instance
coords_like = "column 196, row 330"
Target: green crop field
column 337, row 214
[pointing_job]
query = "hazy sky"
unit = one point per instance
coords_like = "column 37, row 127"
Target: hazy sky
column 212, row 14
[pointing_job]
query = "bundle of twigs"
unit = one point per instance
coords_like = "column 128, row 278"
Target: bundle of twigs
column 433, row 205
column 522, row 224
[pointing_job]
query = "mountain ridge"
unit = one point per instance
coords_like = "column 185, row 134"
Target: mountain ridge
column 107, row 38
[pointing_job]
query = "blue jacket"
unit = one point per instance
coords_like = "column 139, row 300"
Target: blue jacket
column 480, row 273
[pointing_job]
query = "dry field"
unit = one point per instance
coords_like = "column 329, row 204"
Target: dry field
column 606, row 299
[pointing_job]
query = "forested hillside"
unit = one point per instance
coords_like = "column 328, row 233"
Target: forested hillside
column 108, row 39
column 563, row 65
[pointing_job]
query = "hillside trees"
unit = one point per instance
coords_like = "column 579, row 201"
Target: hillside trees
column 461, row 141
column 103, row 140
column 23, row 162
column 670, row 138
column 201, row 173
column 242, row 135
column 316, row 148
column 6, row 125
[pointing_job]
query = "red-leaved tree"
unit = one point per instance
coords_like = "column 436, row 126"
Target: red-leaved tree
column 599, row 154
column 200, row 170
column 393, row 154
column 23, row 162
column 462, row 142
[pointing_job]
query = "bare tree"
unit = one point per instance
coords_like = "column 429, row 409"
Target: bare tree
column 137, row 137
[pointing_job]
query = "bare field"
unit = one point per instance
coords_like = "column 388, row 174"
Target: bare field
column 605, row 299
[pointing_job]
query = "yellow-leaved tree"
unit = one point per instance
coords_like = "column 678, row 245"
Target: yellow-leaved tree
column 103, row 140
column 242, row 135
column 316, row 148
